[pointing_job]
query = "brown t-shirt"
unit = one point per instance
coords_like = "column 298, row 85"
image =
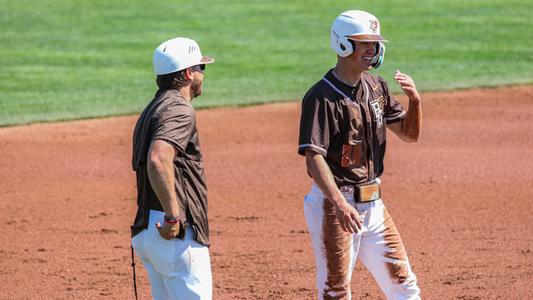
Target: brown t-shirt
column 347, row 125
column 171, row 118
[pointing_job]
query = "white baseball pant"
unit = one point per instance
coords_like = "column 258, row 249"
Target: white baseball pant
column 378, row 245
column 178, row 269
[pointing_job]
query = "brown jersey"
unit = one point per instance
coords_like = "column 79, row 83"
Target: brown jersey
column 171, row 118
column 347, row 125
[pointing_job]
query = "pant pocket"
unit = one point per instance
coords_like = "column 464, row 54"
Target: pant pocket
column 170, row 258
column 184, row 259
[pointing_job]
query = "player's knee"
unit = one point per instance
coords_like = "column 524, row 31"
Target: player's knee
column 407, row 287
column 400, row 272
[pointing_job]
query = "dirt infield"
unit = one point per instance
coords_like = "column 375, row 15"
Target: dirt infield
column 462, row 199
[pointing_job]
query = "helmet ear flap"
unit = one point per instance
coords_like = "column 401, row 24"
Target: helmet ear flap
column 348, row 44
column 352, row 43
column 379, row 57
column 341, row 44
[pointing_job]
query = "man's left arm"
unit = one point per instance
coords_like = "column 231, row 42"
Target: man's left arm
column 409, row 128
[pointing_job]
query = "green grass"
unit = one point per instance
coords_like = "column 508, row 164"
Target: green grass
column 77, row 59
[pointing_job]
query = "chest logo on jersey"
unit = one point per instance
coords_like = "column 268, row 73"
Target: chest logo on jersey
column 378, row 106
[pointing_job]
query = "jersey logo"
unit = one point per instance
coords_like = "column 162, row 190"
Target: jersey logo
column 377, row 107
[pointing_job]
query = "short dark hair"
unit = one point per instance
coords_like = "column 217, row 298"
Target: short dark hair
column 172, row 80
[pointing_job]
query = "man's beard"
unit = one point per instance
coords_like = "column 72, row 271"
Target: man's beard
column 196, row 88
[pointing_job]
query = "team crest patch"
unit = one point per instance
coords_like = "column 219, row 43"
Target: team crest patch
column 378, row 106
column 374, row 25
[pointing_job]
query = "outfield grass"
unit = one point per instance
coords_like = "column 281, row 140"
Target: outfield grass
column 77, row 59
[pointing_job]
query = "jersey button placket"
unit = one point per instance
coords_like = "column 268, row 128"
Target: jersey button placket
column 367, row 119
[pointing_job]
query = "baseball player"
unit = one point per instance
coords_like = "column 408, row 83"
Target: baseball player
column 343, row 136
column 170, row 232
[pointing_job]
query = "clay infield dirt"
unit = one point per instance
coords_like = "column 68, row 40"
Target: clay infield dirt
column 462, row 199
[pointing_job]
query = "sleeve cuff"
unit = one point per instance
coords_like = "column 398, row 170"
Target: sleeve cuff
column 396, row 118
column 170, row 141
column 315, row 148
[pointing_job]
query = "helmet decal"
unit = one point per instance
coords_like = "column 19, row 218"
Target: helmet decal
column 374, row 25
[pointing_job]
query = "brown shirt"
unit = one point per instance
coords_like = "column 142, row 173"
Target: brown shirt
column 347, row 125
column 171, row 118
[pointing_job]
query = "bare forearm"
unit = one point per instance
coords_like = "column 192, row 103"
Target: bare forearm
column 161, row 175
column 412, row 123
column 319, row 170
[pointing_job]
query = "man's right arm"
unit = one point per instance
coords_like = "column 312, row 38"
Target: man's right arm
column 346, row 214
column 160, row 166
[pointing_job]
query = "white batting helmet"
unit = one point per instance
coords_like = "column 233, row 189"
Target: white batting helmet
column 178, row 54
column 357, row 25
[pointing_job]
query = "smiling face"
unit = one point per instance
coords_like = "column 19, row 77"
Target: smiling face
column 361, row 59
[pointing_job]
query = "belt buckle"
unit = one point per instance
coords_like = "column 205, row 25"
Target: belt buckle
column 368, row 192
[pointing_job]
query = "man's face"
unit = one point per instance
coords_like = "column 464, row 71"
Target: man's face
column 361, row 58
column 197, row 80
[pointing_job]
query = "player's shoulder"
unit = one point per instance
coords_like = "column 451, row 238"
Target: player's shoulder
column 172, row 100
column 373, row 79
column 377, row 83
column 169, row 105
column 321, row 91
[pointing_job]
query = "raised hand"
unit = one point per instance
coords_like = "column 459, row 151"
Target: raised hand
column 407, row 85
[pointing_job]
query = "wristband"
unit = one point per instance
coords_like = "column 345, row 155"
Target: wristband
column 171, row 220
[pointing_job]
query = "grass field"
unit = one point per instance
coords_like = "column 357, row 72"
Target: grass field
column 79, row 59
